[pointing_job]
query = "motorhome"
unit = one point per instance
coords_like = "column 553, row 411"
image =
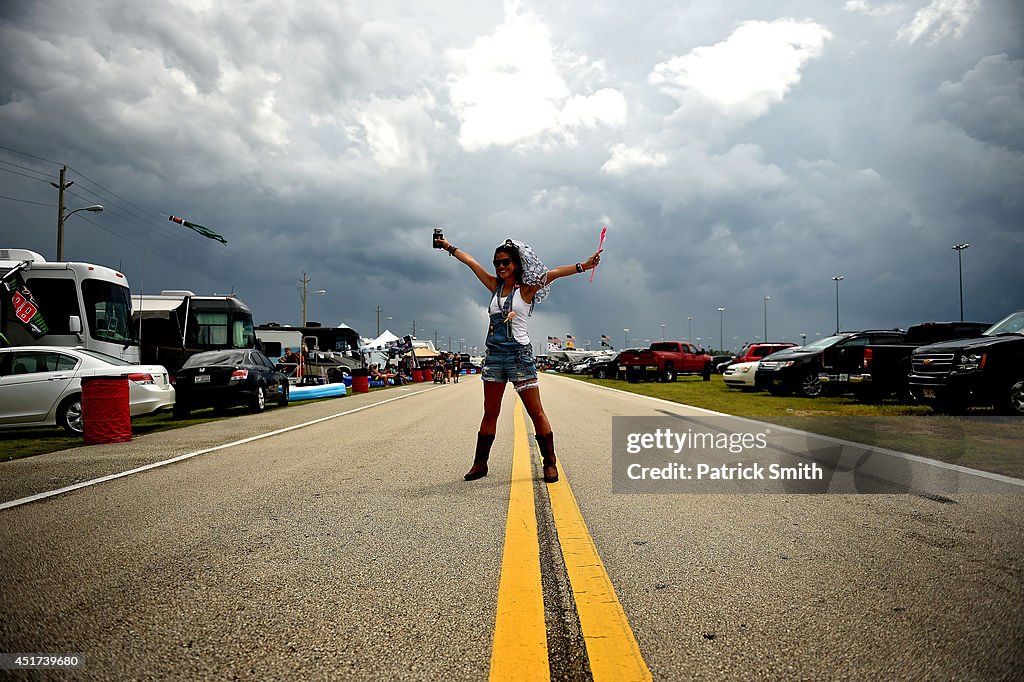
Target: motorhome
column 176, row 324
column 65, row 304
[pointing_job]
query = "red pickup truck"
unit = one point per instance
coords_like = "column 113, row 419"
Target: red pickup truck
column 665, row 361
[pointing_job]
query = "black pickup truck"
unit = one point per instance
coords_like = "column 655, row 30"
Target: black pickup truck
column 798, row 369
column 877, row 370
column 987, row 370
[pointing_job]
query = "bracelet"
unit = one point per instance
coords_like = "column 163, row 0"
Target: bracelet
column 452, row 250
column 579, row 267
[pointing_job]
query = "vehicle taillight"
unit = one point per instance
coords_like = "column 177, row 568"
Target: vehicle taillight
column 141, row 378
column 868, row 354
column 239, row 374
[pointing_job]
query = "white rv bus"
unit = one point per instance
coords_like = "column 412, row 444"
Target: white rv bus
column 65, row 304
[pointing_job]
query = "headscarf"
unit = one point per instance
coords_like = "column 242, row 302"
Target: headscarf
column 534, row 272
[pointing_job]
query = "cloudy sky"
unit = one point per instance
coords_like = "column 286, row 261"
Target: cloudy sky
column 734, row 150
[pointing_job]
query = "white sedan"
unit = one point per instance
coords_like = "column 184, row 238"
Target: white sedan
column 42, row 385
column 741, row 375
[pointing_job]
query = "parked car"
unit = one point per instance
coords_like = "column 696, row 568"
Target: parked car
column 987, row 370
column 720, row 362
column 611, row 369
column 798, row 369
column 225, row 378
column 741, row 375
column 584, row 366
column 42, row 385
column 754, row 352
column 665, row 360
column 877, row 370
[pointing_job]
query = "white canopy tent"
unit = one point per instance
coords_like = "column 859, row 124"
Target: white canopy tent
column 375, row 352
column 380, row 343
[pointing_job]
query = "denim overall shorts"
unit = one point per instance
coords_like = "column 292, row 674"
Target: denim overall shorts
column 506, row 359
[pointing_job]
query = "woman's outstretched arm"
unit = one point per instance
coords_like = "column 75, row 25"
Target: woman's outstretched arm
column 486, row 278
column 564, row 271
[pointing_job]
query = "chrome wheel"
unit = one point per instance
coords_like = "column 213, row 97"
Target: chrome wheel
column 69, row 416
column 1015, row 397
column 810, row 386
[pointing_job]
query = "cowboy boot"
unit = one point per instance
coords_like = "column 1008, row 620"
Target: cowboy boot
column 546, row 444
column 483, row 451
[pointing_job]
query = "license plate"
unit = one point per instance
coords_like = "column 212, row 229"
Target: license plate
column 202, row 379
column 844, row 377
column 651, row 368
column 622, row 368
column 928, row 393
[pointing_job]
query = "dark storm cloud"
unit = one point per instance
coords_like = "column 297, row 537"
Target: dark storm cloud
column 857, row 138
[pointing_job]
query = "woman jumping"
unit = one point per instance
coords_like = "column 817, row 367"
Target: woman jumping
column 520, row 281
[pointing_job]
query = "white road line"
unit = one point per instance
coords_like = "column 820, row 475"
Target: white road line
column 189, row 455
column 884, row 451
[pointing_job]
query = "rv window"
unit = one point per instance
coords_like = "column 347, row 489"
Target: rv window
column 213, row 329
column 242, row 334
column 57, row 300
column 108, row 311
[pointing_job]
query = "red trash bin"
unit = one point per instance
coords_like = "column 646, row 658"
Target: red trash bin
column 417, row 376
column 428, row 374
column 106, row 410
column 360, row 380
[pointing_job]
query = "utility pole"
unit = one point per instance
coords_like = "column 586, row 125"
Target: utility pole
column 305, row 285
column 378, row 320
column 60, row 212
column 414, row 329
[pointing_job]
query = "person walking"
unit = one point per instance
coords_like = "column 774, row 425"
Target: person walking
column 520, row 281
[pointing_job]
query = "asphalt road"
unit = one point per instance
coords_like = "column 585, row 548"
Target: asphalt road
column 351, row 548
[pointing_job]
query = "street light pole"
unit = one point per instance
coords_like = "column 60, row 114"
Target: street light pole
column 61, row 216
column 662, row 332
column 689, row 328
column 625, row 338
column 766, row 318
column 60, row 212
column 305, row 290
column 959, row 248
column 837, row 279
column 721, row 328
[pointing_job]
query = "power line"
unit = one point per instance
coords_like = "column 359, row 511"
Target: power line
column 31, row 156
column 140, row 220
column 26, row 201
column 31, row 170
column 12, row 172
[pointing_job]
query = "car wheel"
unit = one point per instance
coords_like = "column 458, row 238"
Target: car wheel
column 810, row 385
column 259, row 401
column 69, row 415
column 284, row 394
column 1013, row 398
column 601, row 374
column 706, row 376
column 669, row 374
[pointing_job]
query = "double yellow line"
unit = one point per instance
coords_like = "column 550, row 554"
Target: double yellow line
column 520, row 649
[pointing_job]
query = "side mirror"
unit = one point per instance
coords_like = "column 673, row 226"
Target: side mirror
column 75, row 324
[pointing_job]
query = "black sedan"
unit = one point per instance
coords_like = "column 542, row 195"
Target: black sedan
column 609, row 369
column 224, row 378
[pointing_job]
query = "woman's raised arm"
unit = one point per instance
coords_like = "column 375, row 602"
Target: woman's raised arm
column 486, row 278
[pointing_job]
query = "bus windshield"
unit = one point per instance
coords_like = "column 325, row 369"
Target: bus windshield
column 108, row 312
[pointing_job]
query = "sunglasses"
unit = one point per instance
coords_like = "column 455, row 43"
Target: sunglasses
column 502, row 262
